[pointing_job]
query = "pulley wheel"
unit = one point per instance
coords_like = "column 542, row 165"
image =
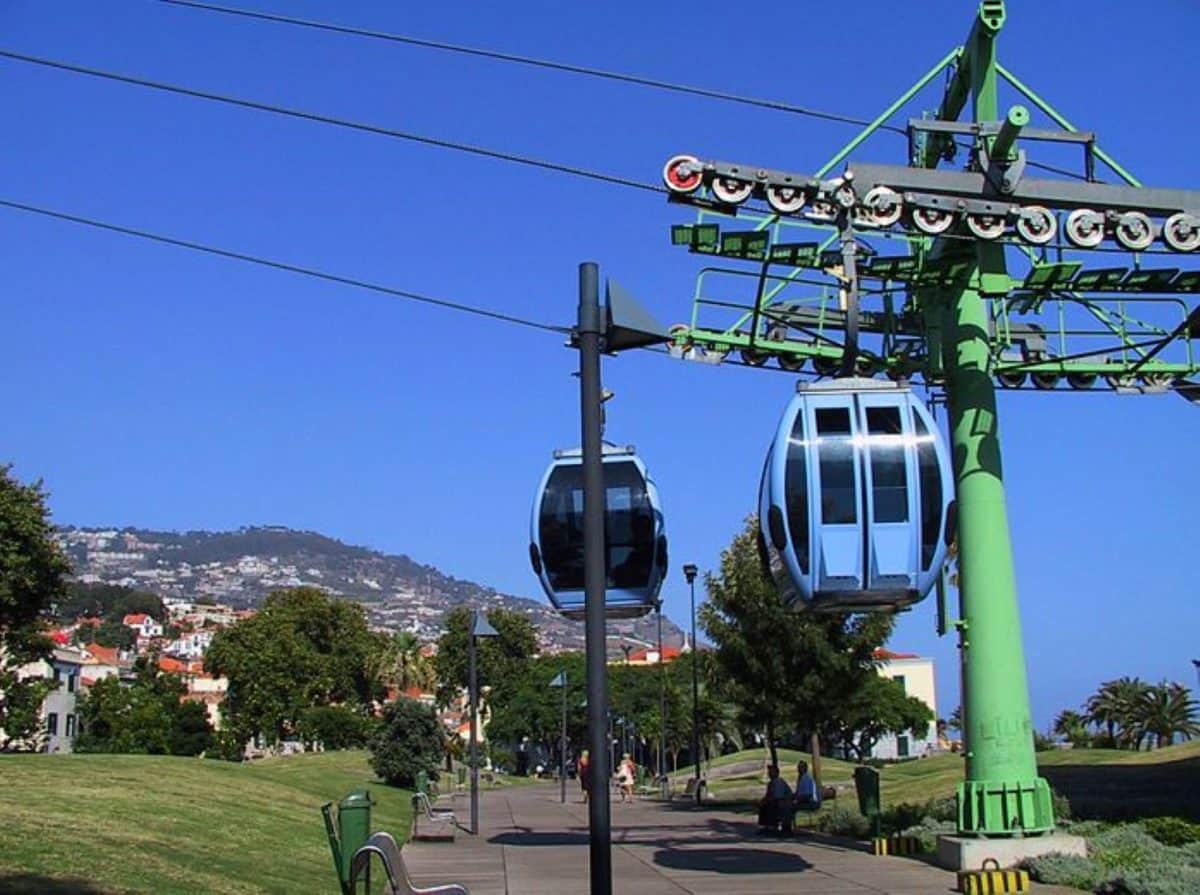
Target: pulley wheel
column 754, row 358
column 683, row 174
column 826, row 366
column 1044, row 380
column 1085, row 228
column 1037, row 225
column 1082, row 381
column 1011, row 380
column 845, row 196
column 986, row 226
column 884, row 205
column 823, row 210
column 786, row 199
column 932, row 220
column 731, row 190
column 1120, row 380
column 1157, row 380
column 1134, row 231
column 793, row 363
column 1181, row 232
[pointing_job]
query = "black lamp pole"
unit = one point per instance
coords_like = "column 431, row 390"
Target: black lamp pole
column 689, row 572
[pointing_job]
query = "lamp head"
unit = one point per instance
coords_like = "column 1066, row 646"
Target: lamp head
column 689, row 572
column 481, row 627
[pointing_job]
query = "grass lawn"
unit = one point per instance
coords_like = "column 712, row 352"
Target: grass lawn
column 740, row 777
column 137, row 823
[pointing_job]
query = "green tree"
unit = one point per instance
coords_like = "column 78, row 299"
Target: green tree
column 335, row 727
column 1072, row 726
column 821, row 658
column 1114, row 708
column 403, row 666
column 107, row 601
column 877, row 708
column 1163, row 712
column 303, row 649
column 742, row 614
column 148, row 717
column 113, row 633
column 499, row 659
column 410, row 741
column 32, row 573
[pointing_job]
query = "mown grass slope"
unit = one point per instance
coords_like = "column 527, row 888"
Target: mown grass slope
column 137, row 823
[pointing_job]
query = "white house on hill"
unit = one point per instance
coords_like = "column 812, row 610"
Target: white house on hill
column 915, row 675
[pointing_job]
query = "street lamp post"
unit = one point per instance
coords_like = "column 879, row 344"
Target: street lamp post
column 560, row 680
column 480, row 627
column 689, row 572
column 662, row 698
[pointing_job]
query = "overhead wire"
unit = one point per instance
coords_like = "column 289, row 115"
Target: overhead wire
column 330, row 120
column 535, row 62
column 284, row 266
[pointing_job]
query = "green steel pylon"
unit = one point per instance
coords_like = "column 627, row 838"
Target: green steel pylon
column 1002, row 792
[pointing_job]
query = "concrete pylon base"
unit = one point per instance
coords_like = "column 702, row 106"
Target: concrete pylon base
column 969, row 852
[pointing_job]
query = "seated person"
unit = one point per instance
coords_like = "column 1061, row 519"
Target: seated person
column 775, row 807
column 807, row 796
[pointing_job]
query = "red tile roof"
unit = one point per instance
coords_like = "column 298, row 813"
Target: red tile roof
column 886, row 654
column 136, row 618
column 106, row 655
column 171, row 666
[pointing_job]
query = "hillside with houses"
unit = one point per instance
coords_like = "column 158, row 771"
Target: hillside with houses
column 239, row 568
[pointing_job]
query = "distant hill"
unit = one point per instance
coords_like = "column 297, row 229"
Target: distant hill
column 241, row 567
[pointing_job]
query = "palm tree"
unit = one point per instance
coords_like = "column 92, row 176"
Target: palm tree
column 1114, row 707
column 1164, row 711
column 1072, row 726
column 405, row 667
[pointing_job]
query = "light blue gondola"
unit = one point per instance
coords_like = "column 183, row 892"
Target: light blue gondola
column 855, row 498
column 635, row 535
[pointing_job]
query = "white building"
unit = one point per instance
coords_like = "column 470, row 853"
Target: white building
column 145, row 626
column 190, row 646
column 915, row 675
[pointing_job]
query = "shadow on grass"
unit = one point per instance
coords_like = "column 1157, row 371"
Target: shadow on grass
column 1128, row 792
column 33, row 884
column 731, row 860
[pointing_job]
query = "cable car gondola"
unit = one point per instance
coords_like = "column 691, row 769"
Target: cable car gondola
column 855, row 497
column 635, row 558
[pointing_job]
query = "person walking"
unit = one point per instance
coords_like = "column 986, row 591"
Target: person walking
column 585, row 775
column 626, row 774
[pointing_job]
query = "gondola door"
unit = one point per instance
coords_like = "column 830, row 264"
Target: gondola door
column 839, row 523
column 889, row 471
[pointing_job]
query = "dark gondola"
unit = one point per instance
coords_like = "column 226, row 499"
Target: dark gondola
column 635, row 536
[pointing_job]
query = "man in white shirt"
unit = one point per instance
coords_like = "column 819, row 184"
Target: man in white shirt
column 808, row 797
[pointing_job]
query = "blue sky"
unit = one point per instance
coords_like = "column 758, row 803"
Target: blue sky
column 155, row 387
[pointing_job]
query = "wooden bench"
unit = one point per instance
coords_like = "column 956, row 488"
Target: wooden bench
column 442, row 824
column 384, row 847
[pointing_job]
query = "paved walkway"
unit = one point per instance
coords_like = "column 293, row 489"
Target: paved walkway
column 530, row 844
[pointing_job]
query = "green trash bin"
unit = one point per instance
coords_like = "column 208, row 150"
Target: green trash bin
column 866, row 785
column 423, row 782
column 354, row 827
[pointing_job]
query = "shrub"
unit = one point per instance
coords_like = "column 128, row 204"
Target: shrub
column 1190, row 854
column 1172, row 830
column 1161, row 880
column 1086, row 828
column 1126, row 849
column 843, row 821
column 409, row 742
column 942, row 809
column 928, row 830
column 899, row 817
column 1067, row 870
column 335, row 727
column 226, row 746
column 1062, row 806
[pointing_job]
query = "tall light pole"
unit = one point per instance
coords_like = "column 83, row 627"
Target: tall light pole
column 480, row 627
column 689, row 572
column 560, row 681
column 662, row 699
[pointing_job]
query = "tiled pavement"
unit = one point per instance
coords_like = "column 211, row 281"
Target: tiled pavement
column 530, row 844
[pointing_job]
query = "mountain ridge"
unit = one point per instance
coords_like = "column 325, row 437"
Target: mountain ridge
column 242, row 566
